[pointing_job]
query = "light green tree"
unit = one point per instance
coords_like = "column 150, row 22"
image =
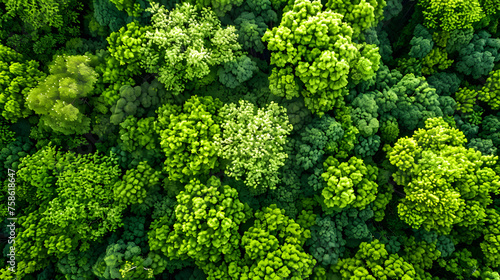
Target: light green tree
column 315, row 48
column 445, row 183
column 185, row 43
column 58, row 98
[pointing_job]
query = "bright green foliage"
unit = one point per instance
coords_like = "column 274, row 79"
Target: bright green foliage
column 112, row 76
column 132, row 7
column 37, row 176
column 466, row 99
column 490, row 93
column 371, row 262
column 237, row 71
column 201, row 112
column 185, row 43
column 306, row 219
column 273, row 247
column 479, row 56
column 30, row 248
column 220, row 7
column 436, row 60
column 188, row 135
column 489, row 274
column 112, row 264
column 320, row 54
column 89, row 180
column 359, row 14
column 37, row 14
column 135, row 184
column 491, row 244
column 344, row 147
column 351, row 183
column 136, row 269
column 445, row 183
column 125, row 45
column 17, row 78
column 421, row 253
column 136, row 134
column 253, row 140
column 81, row 211
column 450, row 15
column 206, row 226
column 461, row 264
column 57, row 98
column 301, row 174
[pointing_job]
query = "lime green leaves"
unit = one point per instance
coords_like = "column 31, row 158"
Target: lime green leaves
column 184, row 43
column 315, row 49
column 450, row 15
column 445, row 183
column 207, row 221
column 58, row 98
column 253, row 141
column 125, row 45
column 188, row 137
column 17, row 78
column 133, row 187
column 350, row 183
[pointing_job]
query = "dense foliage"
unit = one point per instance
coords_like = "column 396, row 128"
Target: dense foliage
column 250, row 139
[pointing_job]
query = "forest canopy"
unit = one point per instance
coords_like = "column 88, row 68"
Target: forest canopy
column 250, row 139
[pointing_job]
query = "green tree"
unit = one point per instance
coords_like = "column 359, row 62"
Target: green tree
column 253, row 140
column 315, row 49
column 17, row 78
column 58, row 98
column 351, row 183
column 187, row 136
column 445, row 183
column 207, row 219
column 372, row 261
column 185, row 43
column 451, row 15
column 37, row 14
